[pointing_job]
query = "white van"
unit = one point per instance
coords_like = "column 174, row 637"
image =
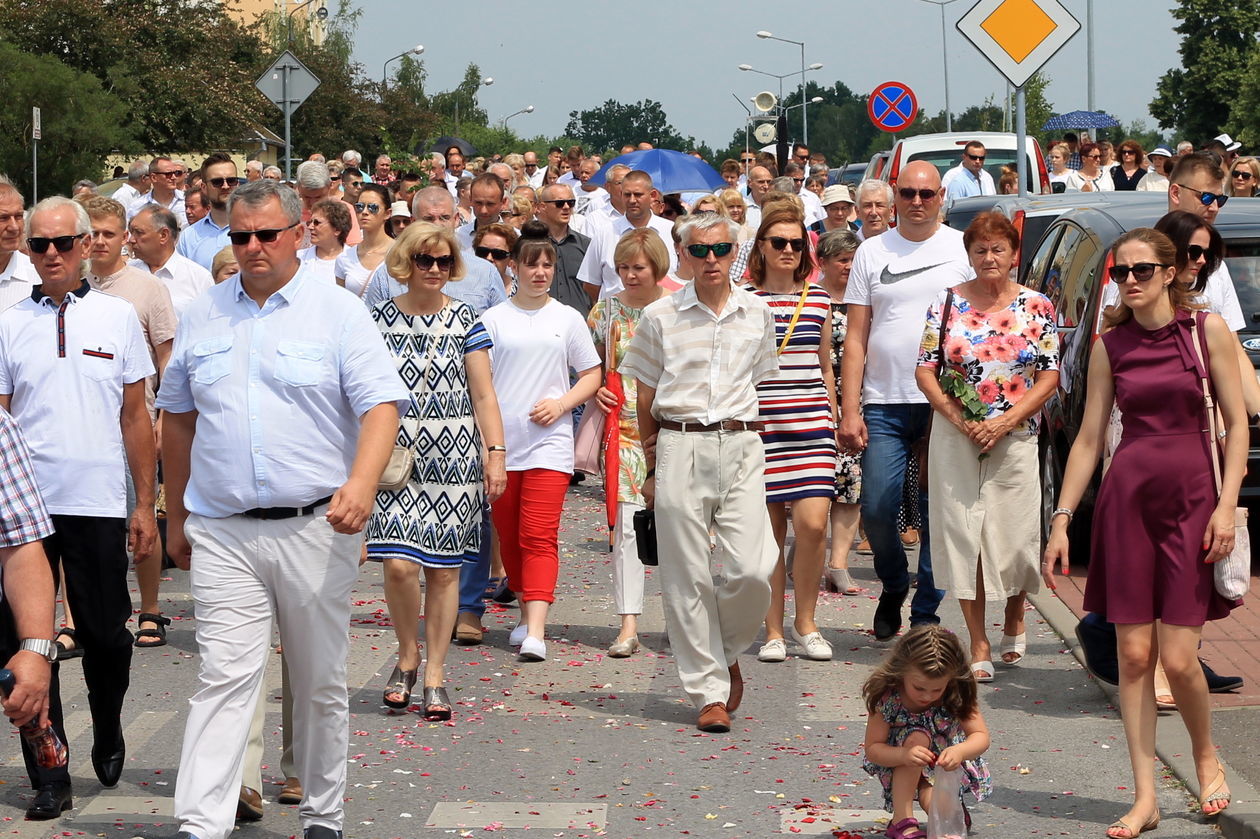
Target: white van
column 945, row 151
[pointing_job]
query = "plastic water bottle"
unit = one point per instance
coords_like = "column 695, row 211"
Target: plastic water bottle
column 50, row 752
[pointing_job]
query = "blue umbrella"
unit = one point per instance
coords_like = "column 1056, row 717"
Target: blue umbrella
column 671, row 171
column 1080, row 119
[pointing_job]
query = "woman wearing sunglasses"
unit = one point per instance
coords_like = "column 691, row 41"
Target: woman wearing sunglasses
column 355, row 265
column 329, row 226
column 1244, row 178
column 798, row 408
column 1150, row 563
column 494, row 243
column 1126, row 174
column 434, row 521
column 1091, row 177
column 536, row 341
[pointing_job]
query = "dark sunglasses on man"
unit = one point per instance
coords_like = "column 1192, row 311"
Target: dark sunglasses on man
column 242, row 237
column 908, row 193
column 219, row 183
column 63, row 244
column 1207, row 198
column 561, row 203
column 719, row 249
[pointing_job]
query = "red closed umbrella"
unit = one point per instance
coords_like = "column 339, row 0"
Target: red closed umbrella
column 612, row 434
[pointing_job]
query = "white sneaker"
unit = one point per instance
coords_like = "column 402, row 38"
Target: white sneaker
column 773, row 650
column 518, row 634
column 815, row 646
column 532, row 649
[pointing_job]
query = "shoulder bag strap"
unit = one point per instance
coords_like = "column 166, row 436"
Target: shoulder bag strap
column 1208, row 404
column 940, row 344
column 800, row 305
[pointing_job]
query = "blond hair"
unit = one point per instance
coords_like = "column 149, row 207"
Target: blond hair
column 422, row 237
column 645, row 241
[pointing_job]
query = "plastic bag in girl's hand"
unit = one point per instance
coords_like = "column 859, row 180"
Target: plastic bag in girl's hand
column 947, row 819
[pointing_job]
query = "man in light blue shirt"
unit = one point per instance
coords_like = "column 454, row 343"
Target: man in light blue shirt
column 201, row 241
column 282, row 410
column 969, row 177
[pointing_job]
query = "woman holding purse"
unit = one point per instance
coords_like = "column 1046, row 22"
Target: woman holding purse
column 1160, row 520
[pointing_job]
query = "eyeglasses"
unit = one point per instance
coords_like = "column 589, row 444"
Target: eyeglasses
column 1195, row 252
column 316, row 222
column 977, row 157
column 334, row 177
column 908, row 193
column 561, row 203
column 1127, row 151
column 781, row 242
column 426, row 261
column 1240, row 175
column 372, row 208
column 242, row 237
column 703, row 251
column 497, row 254
column 174, row 173
column 39, row 244
column 798, row 180
column 1142, row 271
column 1206, row 198
column 1093, row 157
column 219, row 183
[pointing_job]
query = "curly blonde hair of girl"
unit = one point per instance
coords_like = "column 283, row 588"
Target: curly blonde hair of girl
column 934, row 652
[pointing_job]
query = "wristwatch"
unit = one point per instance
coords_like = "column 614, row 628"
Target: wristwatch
column 43, row 646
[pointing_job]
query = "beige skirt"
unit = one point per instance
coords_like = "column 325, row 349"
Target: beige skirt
column 984, row 514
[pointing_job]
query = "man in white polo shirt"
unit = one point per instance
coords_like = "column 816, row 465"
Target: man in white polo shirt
column 72, row 369
column 153, row 233
column 598, row 270
column 17, row 275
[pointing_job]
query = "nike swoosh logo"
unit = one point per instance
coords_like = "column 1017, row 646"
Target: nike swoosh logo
column 887, row 277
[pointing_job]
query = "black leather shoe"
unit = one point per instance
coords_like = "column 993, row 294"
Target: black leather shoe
column 50, row 802
column 318, row 831
column 1098, row 644
column 887, row 621
column 108, row 757
column 1217, row 683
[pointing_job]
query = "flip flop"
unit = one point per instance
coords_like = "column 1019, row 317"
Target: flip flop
column 986, row 667
column 1017, row 644
column 1216, row 792
column 1120, row 824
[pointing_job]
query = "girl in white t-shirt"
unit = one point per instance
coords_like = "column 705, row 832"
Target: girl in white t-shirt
column 537, row 341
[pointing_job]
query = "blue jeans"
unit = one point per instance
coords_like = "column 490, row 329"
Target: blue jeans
column 891, row 431
column 473, row 576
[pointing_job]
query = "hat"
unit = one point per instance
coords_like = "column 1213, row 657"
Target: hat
column 1159, row 151
column 1229, row 142
column 836, row 193
column 399, row 208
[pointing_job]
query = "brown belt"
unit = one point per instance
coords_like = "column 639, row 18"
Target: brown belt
column 724, row 425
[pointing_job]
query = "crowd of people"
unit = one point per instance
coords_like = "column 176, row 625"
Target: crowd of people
column 359, row 366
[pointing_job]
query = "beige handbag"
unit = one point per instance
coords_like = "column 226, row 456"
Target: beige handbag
column 588, row 440
column 402, row 459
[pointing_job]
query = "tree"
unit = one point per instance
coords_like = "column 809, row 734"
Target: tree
column 81, row 122
column 1218, row 43
column 1245, row 116
column 613, row 124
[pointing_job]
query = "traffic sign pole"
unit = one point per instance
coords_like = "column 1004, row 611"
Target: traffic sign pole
column 1021, row 141
column 37, row 133
column 287, row 83
column 288, row 119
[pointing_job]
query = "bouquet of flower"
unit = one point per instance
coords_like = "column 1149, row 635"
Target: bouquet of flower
column 974, row 409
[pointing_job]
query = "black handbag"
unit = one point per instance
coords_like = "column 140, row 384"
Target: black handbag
column 645, row 536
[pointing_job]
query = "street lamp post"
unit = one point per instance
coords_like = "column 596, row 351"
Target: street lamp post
column 528, row 109
column 764, row 35
column 416, row 50
column 949, row 117
column 321, row 13
column 486, row 82
column 748, row 68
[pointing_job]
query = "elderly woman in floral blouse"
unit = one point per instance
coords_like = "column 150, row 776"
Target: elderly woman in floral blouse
column 1001, row 361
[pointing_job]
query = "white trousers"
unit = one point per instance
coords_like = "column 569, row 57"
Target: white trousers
column 712, row 481
column 627, row 570
column 244, row 571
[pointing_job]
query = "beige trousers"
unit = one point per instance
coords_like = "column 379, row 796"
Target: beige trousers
column 251, row 774
column 712, row 481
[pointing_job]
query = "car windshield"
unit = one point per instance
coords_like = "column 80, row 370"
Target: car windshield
column 1243, row 260
column 946, row 159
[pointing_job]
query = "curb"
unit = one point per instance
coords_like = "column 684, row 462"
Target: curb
column 1172, row 743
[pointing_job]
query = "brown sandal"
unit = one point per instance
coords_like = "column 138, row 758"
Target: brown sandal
column 400, row 684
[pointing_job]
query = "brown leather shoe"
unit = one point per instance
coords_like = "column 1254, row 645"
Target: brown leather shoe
column 249, row 805
column 468, row 630
column 714, row 719
column 737, row 688
column 291, row 793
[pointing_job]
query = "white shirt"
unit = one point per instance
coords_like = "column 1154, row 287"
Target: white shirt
column 1101, row 182
column 17, row 279
column 591, row 202
column 352, row 272
column 899, row 279
column 536, row 179
column 569, row 179
column 278, row 392
column 325, row 269
column 814, row 211
column 176, row 206
column 127, row 195
column 1219, row 297
column 532, row 354
column 67, row 395
column 598, row 267
column 464, row 233
column 1153, row 182
column 183, row 278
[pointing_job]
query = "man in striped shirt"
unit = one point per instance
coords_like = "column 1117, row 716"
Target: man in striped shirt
column 698, row 355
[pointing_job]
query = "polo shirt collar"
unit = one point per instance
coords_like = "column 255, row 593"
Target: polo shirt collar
column 37, row 292
column 208, row 221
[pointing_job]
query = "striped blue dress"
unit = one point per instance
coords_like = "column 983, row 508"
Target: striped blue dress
column 800, row 431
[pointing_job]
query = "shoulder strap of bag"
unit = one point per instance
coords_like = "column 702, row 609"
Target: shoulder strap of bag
column 800, row 306
column 1209, row 405
column 940, row 344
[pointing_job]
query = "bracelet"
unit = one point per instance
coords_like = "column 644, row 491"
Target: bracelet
column 1062, row 511
column 497, row 449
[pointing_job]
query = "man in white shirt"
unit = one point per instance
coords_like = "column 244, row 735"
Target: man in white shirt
column 814, row 211
column 574, row 156
column 138, row 183
column 17, row 274
column 598, row 270
column 895, row 276
column 760, row 182
column 969, row 177
column 535, row 173
column 874, row 206
column 153, row 237
column 591, row 198
column 488, row 194
column 164, row 173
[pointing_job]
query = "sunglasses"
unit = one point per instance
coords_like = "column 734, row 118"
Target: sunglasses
column 497, row 254
column 561, row 203
column 219, row 183
column 1093, row 157
column 1241, row 175
column 334, row 177
column 977, row 157
column 1206, row 198
column 781, row 242
column 1127, row 151
column 63, row 244
column 372, row 208
column 908, row 193
column 1195, row 252
column 172, row 174
column 242, row 237
column 426, row 261
column 1141, row 271
column 702, row 251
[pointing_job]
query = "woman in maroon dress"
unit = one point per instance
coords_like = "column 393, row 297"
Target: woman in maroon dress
column 1150, row 572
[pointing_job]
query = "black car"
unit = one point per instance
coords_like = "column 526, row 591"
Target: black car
column 1068, row 265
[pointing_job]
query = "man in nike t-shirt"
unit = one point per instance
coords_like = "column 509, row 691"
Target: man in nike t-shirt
column 894, row 279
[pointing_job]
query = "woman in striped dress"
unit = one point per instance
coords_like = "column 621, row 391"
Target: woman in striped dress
column 798, row 408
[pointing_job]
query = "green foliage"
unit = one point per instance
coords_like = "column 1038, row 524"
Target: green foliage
column 613, row 124
column 1245, row 116
column 1218, row 45
column 953, row 384
column 81, row 122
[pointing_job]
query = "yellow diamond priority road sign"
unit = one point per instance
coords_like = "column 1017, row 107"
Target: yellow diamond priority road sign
column 1018, row 36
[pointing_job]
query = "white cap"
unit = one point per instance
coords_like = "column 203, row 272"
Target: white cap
column 399, row 208
column 1159, row 151
column 1230, row 143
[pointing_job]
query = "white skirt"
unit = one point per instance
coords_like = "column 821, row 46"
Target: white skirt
column 984, row 514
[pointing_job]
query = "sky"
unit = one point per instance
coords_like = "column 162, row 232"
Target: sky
column 565, row 56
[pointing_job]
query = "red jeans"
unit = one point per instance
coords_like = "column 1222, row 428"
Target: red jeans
column 527, row 518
